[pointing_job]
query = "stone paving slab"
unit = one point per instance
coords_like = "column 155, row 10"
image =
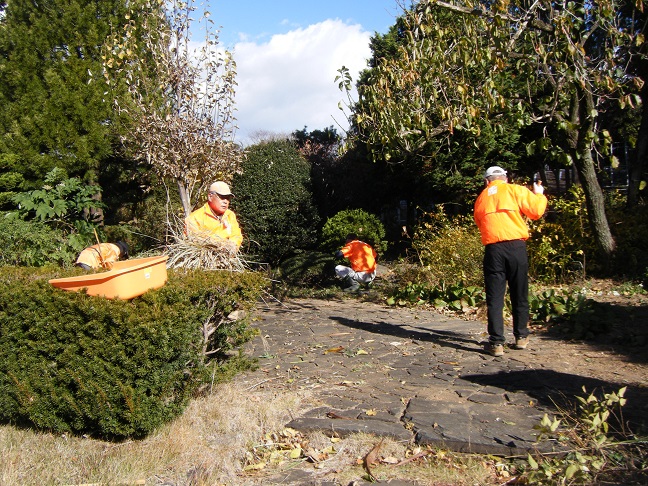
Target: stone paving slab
column 413, row 374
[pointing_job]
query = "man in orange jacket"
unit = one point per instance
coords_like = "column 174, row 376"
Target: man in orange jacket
column 215, row 219
column 363, row 263
column 499, row 213
column 102, row 255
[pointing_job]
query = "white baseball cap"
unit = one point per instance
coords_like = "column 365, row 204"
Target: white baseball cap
column 494, row 171
column 220, row 188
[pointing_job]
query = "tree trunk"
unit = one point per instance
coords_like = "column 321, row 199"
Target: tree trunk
column 184, row 198
column 637, row 167
column 584, row 163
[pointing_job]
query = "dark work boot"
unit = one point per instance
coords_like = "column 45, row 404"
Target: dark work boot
column 351, row 285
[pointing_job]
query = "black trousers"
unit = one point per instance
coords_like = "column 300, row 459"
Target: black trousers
column 507, row 262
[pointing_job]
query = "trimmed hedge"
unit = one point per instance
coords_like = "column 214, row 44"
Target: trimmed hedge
column 70, row 362
column 274, row 201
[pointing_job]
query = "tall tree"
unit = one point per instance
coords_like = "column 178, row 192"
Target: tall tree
column 180, row 109
column 635, row 19
column 455, row 67
column 53, row 114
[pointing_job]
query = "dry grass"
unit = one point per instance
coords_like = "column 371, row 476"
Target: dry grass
column 234, row 436
column 192, row 251
column 208, row 444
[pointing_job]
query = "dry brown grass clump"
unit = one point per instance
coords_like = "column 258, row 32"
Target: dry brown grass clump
column 193, row 251
column 209, row 444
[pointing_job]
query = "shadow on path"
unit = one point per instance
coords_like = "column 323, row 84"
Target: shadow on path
column 556, row 389
column 443, row 338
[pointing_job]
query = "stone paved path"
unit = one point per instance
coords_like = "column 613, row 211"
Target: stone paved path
column 414, row 374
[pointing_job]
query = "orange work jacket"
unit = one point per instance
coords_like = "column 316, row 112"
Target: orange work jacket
column 203, row 220
column 98, row 256
column 500, row 208
column 361, row 255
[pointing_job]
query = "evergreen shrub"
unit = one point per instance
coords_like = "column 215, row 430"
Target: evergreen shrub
column 63, row 203
column 70, row 362
column 366, row 226
column 274, row 201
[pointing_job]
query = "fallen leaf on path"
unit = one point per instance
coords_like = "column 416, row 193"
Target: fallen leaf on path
column 337, row 349
column 371, row 412
column 361, row 351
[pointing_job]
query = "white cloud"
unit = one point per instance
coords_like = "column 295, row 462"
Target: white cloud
column 289, row 82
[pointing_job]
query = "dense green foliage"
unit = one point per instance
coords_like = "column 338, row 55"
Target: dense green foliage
column 62, row 203
column 308, row 268
column 366, row 226
column 630, row 230
column 274, row 201
column 55, row 112
column 32, row 243
column 70, row 362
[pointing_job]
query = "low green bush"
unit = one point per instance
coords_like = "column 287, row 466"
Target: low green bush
column 366, row 226
column 630, row 230
column 561, row 246
column 70, row 362
column 454, row 297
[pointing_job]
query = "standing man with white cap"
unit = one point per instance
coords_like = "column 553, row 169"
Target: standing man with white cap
column 214, row 218
column 499, row 214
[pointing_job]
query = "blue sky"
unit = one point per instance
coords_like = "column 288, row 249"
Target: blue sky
column 257, row 20
column 288, row 53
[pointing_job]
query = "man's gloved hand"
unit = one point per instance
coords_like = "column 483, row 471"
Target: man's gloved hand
column 537, row 188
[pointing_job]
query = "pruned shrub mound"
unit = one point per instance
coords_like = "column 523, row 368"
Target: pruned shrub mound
column 366, row 226
column 114, row 369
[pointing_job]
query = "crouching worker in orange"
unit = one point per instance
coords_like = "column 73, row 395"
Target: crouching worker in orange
column 214, row 219
column 363, row 264
column 102, row 255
